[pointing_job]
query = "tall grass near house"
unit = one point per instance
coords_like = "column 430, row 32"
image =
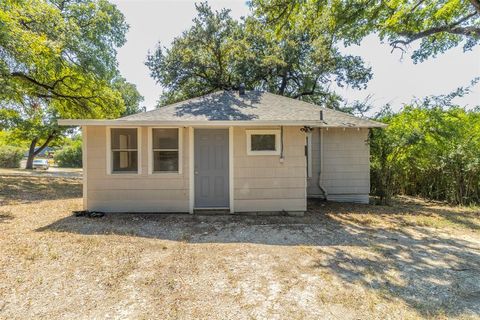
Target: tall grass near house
column 432, row 152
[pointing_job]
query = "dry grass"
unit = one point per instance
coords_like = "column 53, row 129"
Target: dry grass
column 412, row 260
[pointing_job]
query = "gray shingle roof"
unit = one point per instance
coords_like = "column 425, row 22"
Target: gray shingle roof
column 253, row 106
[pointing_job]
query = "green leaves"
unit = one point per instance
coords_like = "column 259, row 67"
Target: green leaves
column 218, row 53
column 58, row 60
column 437, row 24
column 62, row 53
column 429, row 151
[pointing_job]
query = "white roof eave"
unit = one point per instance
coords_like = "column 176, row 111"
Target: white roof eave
column 213, row 123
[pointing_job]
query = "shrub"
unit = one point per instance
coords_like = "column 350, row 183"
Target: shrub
column 69, row 156
column 10, row 157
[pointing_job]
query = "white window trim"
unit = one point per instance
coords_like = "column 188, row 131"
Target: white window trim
column 191, row 170
column 84, row 166
column 109, row 151
column 251, row 152
column 150, row 151
column 231, row 169
column 309, row 154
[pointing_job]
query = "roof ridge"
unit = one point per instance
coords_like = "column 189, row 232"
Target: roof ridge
column 172, row 104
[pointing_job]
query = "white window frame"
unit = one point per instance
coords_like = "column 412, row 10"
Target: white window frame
column 109, row 151
column 251, row 152
column 151, row 150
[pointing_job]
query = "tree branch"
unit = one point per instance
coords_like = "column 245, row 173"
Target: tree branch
column 419, row 3
column 309, row 92
column 476, row 4
column 51, row 88
column 452, row 28
column 45, row 144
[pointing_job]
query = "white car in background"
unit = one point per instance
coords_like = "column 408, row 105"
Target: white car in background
column 40, row 164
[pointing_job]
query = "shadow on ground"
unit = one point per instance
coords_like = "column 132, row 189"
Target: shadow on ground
column 431, row 271
column 27, row 189
column 5, row 216
column 311, row 230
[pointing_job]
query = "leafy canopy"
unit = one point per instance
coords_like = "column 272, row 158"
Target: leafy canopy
column 218, row 52
column 438, row 24
column 431, row 148
column 61, row 53
column 58, row 60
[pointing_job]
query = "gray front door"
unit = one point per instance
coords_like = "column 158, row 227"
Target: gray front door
column 211, row 168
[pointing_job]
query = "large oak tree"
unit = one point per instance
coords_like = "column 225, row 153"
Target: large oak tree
column 437, row 25
column 218, row 52
column 58, row 59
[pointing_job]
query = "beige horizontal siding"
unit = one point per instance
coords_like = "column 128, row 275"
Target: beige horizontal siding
column 270, row 193
column 129, row 191
column 120, row 205
column 263, row 183
column 266, row 162
column 140, row 184
column 138, row 195
column 346, row 167
column 355, row 198
column 267, row 205
column 284, row 172
column 269, row 182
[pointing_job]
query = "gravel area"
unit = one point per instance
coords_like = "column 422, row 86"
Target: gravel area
column 413, row 260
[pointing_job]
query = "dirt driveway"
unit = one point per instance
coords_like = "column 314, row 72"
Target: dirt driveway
column 414, row 260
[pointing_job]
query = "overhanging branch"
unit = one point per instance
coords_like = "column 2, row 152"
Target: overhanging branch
column 453, row 28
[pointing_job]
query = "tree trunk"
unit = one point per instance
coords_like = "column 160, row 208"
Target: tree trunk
column 283, row 84
column 32, row 153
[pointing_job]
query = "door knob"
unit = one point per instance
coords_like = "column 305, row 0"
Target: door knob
column 196, row 172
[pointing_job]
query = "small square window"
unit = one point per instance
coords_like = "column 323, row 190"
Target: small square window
column 263, row 142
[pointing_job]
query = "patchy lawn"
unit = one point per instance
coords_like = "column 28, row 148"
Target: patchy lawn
column 411, row 260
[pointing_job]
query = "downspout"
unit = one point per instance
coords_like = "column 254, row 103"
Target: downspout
column 319, row 182
column 281, row 145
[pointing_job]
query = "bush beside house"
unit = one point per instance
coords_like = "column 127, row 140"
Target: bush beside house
column 70, row 156
column 10, row 157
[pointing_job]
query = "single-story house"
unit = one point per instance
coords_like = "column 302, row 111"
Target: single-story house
column 238, row 151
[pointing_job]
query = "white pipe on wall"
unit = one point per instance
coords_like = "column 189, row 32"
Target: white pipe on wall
column 322, row 188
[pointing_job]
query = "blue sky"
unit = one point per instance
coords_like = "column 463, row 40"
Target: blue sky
column 395, row 80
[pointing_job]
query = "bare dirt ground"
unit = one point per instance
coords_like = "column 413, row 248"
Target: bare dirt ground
column 51, row 172
column 412, row 260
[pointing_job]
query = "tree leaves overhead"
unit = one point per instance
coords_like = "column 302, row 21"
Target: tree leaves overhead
column 218, row 53
column 203, row 59
column 130, row 95
column 437, row 24
column 63, row 53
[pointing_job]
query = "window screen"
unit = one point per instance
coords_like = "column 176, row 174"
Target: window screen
column 165, row 150
column 263, row 142
column 124, row 150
